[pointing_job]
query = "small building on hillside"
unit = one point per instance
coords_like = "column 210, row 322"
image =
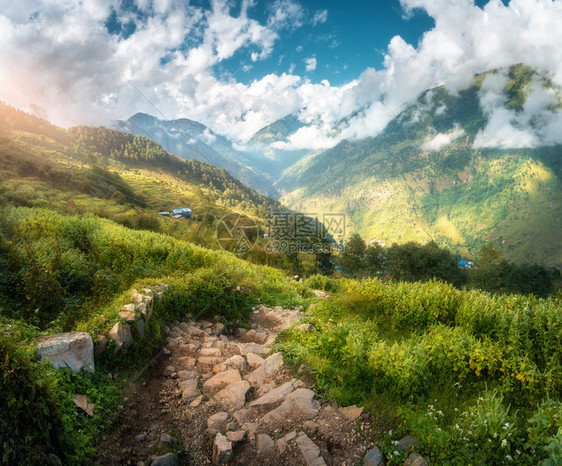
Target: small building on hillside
column 184, row 212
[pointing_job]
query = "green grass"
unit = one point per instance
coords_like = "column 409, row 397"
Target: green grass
column 477, row 378
column 72, row 273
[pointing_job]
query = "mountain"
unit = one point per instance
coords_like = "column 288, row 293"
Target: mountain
column 190, row 139
column 116, row 175
column 428, row 176
column 267, row 146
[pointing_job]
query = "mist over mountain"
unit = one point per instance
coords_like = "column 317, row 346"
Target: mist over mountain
column 190, row 139
column 482, row 164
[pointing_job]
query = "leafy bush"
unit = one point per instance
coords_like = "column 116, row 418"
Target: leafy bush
column 464, row 371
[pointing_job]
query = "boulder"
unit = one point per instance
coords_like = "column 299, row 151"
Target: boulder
column 374, row 457
column 351, row 412
column 222, row 379
column 210, row 353
column 407, row 443
column 254, row 348
column 128, row 307
column 72, row 350
column 222, row 450
column 99, row 346
column 415, row 459
column 128, row 316
column 237, row 362
column 139, row 329
column 189, row 389
column 301, row 401
column 310, row 451
column 169, row 459
column 80, row 401
column 121, row 335
column 254, row 361
column 188, row 375
column 206, row 364
column 144, row 311
column 281, row 445
column 265, row 444
column 233, row 396
column 274, row 396
column 269, row 367
column 217, row 421
column 237, row 436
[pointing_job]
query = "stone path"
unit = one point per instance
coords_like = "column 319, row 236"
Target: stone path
column 224, row 399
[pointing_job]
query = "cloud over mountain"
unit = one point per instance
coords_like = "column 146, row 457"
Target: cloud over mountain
column 72, row 62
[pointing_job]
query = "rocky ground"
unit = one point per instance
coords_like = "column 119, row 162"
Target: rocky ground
column 215, row 398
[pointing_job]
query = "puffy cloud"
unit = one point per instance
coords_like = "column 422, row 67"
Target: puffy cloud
column 310, row 63
column 60, row 57
column 320, row 17
column 535, row 124
column 286, row 14
column 442, row 140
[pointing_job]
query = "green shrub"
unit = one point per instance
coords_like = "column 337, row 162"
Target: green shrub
column 410, row 347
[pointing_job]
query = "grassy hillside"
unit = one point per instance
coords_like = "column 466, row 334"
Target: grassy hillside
column 115, row 175
column 192, row 140
column 476, row 378
column 396, row 189
column 62, row 272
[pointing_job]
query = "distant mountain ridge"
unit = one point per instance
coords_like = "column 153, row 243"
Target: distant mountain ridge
column 190, row 139
column 423, row 178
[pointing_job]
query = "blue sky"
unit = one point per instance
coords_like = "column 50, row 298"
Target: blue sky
column 343, row 37
column 239, row 65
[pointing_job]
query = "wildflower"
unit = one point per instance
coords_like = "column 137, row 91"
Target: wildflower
column 495, row 434
column 518, row 452
column 506, row 426
column 440, row 413
column 457, row 427
column 504, row 443
column 390, row 432
column 508, row 458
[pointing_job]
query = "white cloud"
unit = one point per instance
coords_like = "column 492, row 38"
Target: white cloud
column 286, row 14
column 59, row 57
column 310, row 63
column 320, row 17
column 442, row 140
column 536, row 124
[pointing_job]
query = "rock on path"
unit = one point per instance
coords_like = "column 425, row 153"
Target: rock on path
column 228, row 400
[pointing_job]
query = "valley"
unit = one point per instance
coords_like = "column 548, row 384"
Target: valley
column 281, row 233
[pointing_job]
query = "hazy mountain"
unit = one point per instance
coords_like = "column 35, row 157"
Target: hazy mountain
column 189, row 139
column 434, row 173
column 111, row 173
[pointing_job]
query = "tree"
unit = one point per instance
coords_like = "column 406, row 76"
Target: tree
column 415, row 262
column 352, row 258
column 375, row 259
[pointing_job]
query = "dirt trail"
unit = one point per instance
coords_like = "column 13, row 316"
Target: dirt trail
column 223, row 399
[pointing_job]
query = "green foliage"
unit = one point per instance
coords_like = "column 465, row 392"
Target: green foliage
column 414, row 262
column 66, row 266
column 37, row 415
column 475, row 377
column 353, row 256
column 395, row 190
column 495, row 274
